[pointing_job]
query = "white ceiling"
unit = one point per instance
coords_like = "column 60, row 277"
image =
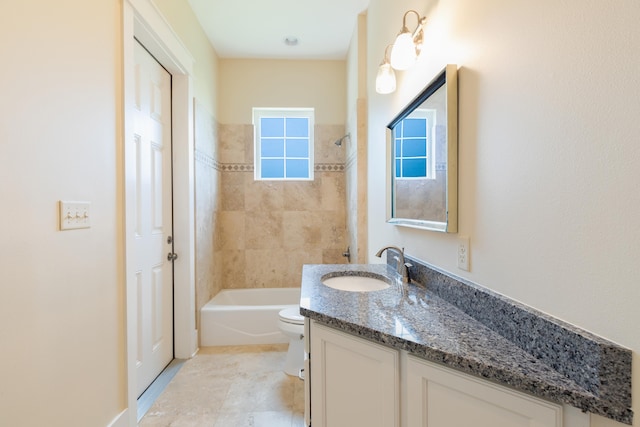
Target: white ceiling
column 258, row 28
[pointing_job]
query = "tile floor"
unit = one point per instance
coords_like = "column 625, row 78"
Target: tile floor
column 237, row 386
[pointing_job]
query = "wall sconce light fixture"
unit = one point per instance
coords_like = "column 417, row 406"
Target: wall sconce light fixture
column 386, row 77
column 408, row 44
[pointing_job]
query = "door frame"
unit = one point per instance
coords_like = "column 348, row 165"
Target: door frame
column 142, row 20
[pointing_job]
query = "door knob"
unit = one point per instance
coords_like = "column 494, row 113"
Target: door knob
column 172, row 256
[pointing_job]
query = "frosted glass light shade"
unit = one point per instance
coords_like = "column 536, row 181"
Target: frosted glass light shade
column 403, row 52
column 385, row 79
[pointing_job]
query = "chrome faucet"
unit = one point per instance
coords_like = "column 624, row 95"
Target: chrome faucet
column 402, row 267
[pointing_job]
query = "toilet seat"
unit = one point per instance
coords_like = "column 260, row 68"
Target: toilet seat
column 291, row 315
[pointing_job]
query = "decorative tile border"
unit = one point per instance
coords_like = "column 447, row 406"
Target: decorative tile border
column 249, row 167
column 329, row 167
column 236, row 167
column 207, row 160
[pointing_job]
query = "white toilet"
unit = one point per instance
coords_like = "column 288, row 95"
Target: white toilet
column 291, row 323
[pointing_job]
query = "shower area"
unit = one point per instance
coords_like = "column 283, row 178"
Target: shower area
column 258, row 234
column 268, row 229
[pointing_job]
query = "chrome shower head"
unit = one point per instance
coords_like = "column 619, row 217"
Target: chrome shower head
column 339, row 141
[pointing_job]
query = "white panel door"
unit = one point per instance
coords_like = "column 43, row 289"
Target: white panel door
column 440, row 397
column 153, row 218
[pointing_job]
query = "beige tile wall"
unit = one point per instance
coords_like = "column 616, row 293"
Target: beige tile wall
column 207, row 208
column 356, row 183
column 269, row 229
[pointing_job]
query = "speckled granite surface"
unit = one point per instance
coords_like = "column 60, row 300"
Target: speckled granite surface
column 417, row 319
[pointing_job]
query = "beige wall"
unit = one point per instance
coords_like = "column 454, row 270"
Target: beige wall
column 248, row 83
column 549, row 159
column 184, row 22
column 62, row 294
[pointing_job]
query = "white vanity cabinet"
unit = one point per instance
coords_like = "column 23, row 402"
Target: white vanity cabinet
column 354, row 382
column 441, row 397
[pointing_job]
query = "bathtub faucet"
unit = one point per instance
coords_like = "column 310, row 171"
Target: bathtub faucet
column 402, row 267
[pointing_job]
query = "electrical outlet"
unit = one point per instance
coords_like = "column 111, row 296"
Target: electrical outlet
column 74, row 215
column 463, row 253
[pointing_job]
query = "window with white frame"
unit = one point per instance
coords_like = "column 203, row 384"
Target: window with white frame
column 413, row 145
column 283, row 143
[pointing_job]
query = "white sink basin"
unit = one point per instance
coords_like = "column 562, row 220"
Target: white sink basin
column 356, row 283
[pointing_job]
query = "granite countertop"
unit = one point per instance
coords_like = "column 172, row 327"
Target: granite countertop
column 412, row 318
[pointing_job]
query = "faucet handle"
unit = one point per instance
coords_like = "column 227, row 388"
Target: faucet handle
column 406, row 276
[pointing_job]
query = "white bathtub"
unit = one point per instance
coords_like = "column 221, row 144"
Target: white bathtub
column 245, row 316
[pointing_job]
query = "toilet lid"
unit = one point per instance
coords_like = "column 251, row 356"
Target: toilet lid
column 291, row 315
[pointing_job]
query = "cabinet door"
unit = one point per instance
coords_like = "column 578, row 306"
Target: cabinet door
column 441, row 397
column 354, row 382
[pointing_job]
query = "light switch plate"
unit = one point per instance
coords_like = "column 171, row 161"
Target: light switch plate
column 74, row 215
